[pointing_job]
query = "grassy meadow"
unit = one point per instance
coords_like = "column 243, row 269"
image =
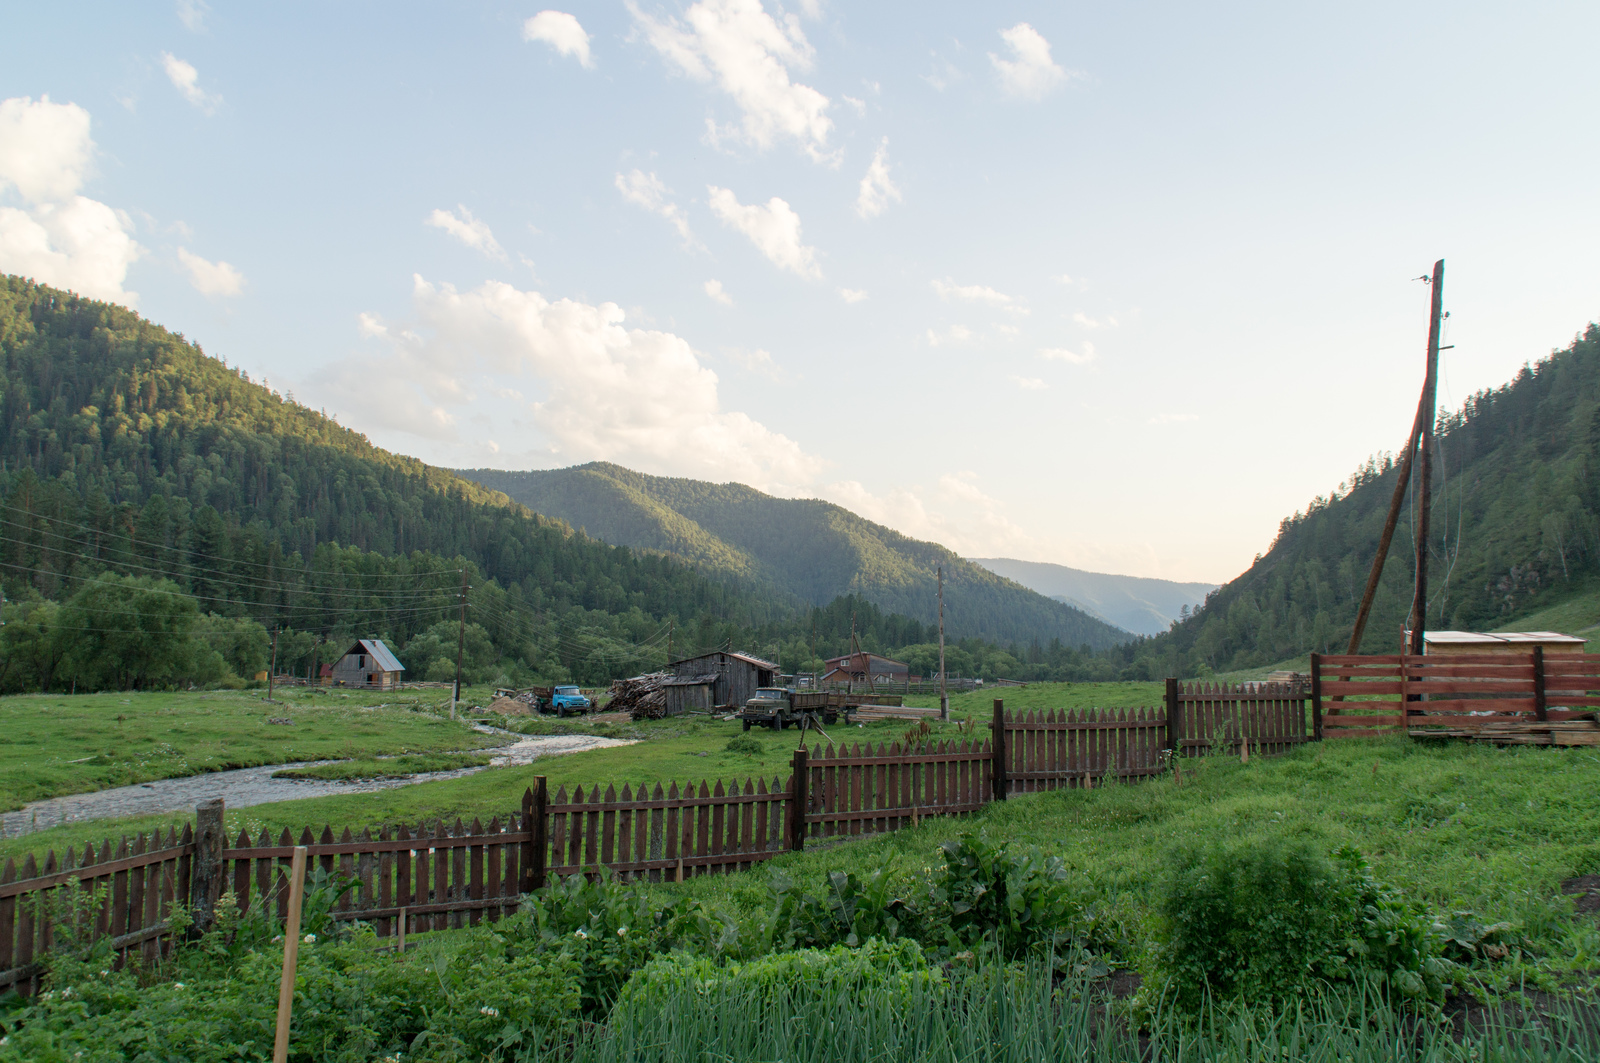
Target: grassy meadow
column 58, row 744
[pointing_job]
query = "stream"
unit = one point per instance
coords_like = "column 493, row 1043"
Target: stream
column 243, row 787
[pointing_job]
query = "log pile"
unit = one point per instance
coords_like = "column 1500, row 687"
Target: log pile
column 640, row 697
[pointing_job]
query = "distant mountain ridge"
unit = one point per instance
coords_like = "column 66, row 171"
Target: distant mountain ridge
column 812, row 549
column 1138, row 604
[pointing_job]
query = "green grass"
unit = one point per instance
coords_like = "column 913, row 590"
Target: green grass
column 1464, row 827
column 1577, row 615
column 57, row 744
column 1034, row 696
column 386, row 767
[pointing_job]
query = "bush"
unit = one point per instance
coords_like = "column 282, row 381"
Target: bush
column 850, row 911
column 1265, row 921
column 744, row 744
column 1013, row 897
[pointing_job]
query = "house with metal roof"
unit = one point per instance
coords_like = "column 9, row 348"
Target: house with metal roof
column 862, row 667
column 724, row 679
column 370, row 664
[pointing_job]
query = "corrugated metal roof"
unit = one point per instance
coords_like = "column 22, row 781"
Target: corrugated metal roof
column 385, row 659
column 1484, row 638
column 745, row 657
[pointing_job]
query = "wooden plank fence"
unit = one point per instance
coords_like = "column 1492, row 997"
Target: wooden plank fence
column 1270, row 716
column 1466, row 695
column 446, row 876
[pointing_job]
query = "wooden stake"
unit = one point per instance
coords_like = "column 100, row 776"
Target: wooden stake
column 461, row 645
column 944, row 695
column 1244, row 751
column 401, row 946
column 291, row 953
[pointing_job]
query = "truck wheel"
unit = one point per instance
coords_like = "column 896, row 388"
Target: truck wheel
column 830, row 718
column 747, row 725
column 777, row 724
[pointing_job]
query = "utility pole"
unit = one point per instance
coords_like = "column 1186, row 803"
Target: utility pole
column 1424, row 492
column 272, row 669
column 813, row 648
column 461, row 645
column 944, row 695
column 669, row 640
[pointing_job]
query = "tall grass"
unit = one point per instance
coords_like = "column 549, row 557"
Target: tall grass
column 1017, row 1015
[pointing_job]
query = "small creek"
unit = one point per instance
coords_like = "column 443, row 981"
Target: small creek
column 243, row 787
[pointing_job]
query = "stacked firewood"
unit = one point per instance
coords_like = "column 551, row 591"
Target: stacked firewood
column 640, row 697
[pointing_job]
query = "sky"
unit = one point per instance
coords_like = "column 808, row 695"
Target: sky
column 1116, row 286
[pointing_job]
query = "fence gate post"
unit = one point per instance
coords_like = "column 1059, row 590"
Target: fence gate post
column 535, row 824
column 1316, row 697
column 1541, row 711
column 1174, row 722
column 799, row 800
column 206, row 880
column 999, row 749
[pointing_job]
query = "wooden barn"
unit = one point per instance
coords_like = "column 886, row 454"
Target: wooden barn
column 369, row 663
column 859, row 667
column 729, row 678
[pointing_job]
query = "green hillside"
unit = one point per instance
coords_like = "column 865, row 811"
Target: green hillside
column 1515, row 533
column 126, row 449
column 811, row 549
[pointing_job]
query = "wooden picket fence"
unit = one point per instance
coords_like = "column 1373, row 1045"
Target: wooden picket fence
column 408, row 880
column 1270, row 716
column 1533, row 697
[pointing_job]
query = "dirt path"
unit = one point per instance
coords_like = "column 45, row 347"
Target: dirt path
column 244, row 787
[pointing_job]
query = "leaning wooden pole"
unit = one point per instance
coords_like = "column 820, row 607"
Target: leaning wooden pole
column 1389, row 523
column 1424, row 492
column 291, row 954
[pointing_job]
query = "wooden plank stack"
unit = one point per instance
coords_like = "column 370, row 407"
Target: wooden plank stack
column 641, row 697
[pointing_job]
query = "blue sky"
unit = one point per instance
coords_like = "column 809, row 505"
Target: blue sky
column 1116, row 286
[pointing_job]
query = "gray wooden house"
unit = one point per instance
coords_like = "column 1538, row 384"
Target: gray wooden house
column 723, row 679
column 369, row 663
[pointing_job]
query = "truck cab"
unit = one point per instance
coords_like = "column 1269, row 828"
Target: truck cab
column 780, row 707
column 569, row 699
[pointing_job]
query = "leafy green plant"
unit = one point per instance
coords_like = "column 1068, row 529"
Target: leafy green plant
column 850, row 910
column 1016, row 897
column 745, row 744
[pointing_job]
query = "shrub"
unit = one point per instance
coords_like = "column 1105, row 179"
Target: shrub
column 1013, row 897
column 1264, row 921
column 850, row 911
column 744, row 744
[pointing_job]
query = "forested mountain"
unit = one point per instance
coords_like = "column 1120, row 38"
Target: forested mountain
column 1515, row 526
column 805, row 547
column 1138, row 604
column 126, row 449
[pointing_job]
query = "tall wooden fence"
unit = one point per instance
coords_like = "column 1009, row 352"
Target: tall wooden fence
column 1539, row 697
column 443, row 876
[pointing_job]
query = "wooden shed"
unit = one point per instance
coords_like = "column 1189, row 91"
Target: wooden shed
column 370, row 664
column 685, row 692
column 1498, row 642
column 735, row 677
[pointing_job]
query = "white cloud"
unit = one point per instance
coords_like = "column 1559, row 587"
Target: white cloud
column 469, row 230
column 1031, row 73
column 1008, row 331
column 877, row 189
column 1062, row 354
column 759, row 361
column 977, row 293
column 860, row 106
column 647, row 191
column 774, row 229
column 638, row 397
column 560, row 31
column 749, row 55
column 853, row 295
column 186, row 79
column 1029, row 383
column 210, row 278
column 1091, row 323
column 717, row 292
column 371, row 326
column 956, row 514
column 1173, row 418
column 44, row 148
column 192, row 13
column 954, row 334
column 58, row 237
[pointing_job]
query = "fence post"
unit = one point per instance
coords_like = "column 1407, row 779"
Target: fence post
column 1316, row 697
column 536, row 824
column 1541, row 711
column 206, row 879
column 999, row 750
column 799, row 800
column 1174, row 724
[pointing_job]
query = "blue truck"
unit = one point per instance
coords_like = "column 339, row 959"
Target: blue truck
column 569, row 699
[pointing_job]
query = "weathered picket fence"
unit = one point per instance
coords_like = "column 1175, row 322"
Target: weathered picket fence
column 411, row 880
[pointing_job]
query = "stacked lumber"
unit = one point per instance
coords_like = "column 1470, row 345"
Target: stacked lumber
column 640, row 697
column 867, row 713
